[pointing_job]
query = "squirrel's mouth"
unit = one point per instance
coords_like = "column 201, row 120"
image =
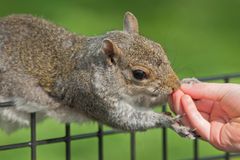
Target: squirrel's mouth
column 148, row 99
column 159, row 97
column 160, row 100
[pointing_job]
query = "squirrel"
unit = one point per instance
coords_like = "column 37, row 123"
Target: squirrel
column 115, row 78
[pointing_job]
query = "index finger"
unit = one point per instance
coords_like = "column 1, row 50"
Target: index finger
column 211, row 91
column 202, row 125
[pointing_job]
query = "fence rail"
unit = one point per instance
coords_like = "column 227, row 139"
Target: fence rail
column 100, row 133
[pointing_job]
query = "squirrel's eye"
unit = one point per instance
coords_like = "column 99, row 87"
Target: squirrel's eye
column 139, row 74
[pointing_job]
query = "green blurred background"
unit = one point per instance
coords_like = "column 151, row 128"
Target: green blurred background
column 201, row 38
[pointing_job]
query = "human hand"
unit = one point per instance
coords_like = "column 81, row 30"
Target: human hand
column 213, row 110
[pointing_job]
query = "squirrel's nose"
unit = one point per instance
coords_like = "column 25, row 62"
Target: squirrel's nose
column 176, row 85
column 173, row 81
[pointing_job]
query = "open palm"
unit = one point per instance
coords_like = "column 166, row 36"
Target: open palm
column 214, row 110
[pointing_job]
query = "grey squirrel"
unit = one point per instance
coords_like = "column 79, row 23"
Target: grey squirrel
column 116, row 78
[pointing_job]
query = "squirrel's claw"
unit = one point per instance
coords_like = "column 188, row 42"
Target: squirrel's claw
column 173, row 123
column 178, row 117
column 184, row 131
column 167, row 113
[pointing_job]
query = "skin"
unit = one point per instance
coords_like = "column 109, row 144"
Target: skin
column 213, row 109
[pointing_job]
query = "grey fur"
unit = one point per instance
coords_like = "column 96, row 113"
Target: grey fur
column 48, row 70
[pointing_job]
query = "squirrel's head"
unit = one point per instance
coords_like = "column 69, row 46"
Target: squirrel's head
column 137, row 70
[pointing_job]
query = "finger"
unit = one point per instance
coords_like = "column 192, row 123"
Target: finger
column 216, row 131
column 205, row 116
column 197, row 121
column 211, row 91
column 176, row 98
column 204, row 105
column 170, row 103
column 176, row 106
column 186, row 122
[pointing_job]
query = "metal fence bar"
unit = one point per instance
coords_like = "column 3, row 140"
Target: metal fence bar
column 221, row 77
column 227, row 156
column 195, row 149
column 217, row 157
column 33, row 143
column 232, row 155
column 133, row 145
column 164, row 139
column 68, row 141
column 59, row 139
column 14, row 146
column 100, row 142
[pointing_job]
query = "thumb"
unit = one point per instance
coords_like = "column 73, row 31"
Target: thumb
column 211, row 91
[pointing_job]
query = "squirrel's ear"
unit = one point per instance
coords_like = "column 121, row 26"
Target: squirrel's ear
column 111, row 50
column 130, row 23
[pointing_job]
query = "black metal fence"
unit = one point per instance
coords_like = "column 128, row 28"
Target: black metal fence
column 33, row 142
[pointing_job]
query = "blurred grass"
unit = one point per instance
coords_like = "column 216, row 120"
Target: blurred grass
column 201, row 38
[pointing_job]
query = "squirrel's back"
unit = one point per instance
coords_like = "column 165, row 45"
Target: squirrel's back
column 38, row 47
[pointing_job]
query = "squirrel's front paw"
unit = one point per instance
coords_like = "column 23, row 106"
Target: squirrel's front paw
column 184, row 131
column 174, row 123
